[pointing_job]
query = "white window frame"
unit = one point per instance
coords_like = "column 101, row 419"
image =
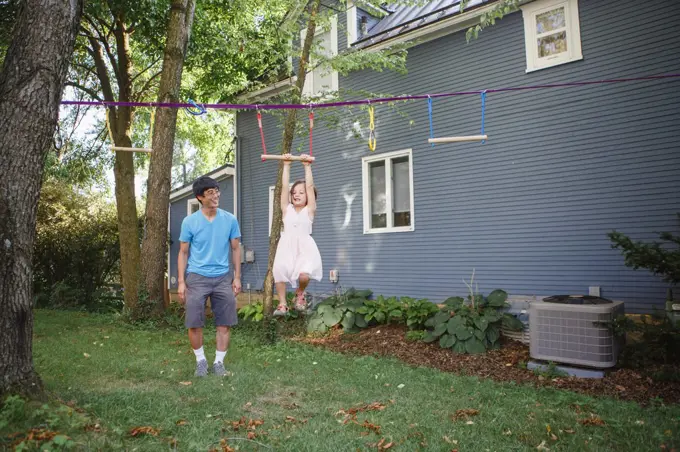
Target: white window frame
column 271, row 204
column 192, row 202
column 351, row 24
column 309, row 89
column 366, row 176
column 573, row 29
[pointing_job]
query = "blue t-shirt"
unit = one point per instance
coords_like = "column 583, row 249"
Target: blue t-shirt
column 209, row 242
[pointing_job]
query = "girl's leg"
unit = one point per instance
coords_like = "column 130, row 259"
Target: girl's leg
column 282, row 308
column 300, row 302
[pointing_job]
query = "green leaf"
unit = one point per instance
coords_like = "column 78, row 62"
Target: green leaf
column 463, row 333
column 440, row 329
column 441, row 317
column 316, row 324
column 348, row 321
column 481, row 323
column 497, row 298
column 512, row 323
column 447, row 341
column 492, row 315
column 332, row 317
column 396, row 313
column 454, row 302
column 493, row 334
column 479, row 334
column 430, row 322
column 429, row 337
column 360, row 321
column 459, row 347
column 379, row 316
column 474, row 346
column 454, row 323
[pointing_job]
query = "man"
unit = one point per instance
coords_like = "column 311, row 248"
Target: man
column 208, row 234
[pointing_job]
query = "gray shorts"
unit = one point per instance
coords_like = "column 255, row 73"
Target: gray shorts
column 222, row 300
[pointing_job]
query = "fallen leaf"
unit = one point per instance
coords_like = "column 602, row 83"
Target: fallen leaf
column 620, row 388
column 640, row 422
column 372, row 427
column 251, row 435
column 182, row 422
column 186, row 383
column 401, row 386
column 136, row 431
column 553, row 437
column 508, row 365
column 248, row 405
column 450, row 441
column 464, row 414
column 86, row 355
column 592, row 420
column 569, row 430
column 542, row 446
column 508, row 432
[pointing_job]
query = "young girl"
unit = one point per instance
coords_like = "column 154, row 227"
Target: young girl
column 297, row 258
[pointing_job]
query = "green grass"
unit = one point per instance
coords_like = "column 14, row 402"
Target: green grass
column 132, row 378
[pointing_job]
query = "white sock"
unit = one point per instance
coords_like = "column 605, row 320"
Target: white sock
column 219, row 356
column 200, row 354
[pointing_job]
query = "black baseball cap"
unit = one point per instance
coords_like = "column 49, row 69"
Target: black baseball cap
column 204, row 183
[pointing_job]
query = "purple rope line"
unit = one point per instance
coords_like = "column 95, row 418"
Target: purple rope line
column 359, row 102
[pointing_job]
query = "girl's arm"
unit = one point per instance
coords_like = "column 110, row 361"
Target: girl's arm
column 285, row 177
column 309, row 187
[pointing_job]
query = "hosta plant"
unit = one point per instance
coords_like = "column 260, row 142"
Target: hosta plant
column 417, row 312
column 382, row 310
column 339, row 310
column 471, row 325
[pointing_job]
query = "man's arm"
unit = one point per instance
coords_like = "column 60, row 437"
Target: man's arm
column 236, row 260
column 182, row 258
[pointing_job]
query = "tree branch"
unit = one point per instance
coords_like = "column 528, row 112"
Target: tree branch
column 102, row 72
column 89, row 91
column 147, row 85
column 102, row 37
column 146, row 69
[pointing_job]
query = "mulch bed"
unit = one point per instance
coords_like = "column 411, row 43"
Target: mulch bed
column 499, row 365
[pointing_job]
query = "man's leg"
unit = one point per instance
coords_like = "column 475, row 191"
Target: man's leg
column 223, row 305
column 196, row 295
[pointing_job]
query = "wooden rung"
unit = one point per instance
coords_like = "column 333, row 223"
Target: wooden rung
column 295, row 158
column 457, row 139
column 120, row 148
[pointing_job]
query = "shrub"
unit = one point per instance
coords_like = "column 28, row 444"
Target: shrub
column 472, row 325
column 341, row 309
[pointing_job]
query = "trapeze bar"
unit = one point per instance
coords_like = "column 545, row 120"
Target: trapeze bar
column 120, row 148
column 281, row 157
column 457, row 139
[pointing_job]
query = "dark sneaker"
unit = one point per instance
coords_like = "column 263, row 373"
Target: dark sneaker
column 201, row 368
column 219, row 370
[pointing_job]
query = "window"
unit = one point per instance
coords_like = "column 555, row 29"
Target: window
column 388, row 192
column 552, row 33
column 322, row 78
column 193, row 206
column 271, row 205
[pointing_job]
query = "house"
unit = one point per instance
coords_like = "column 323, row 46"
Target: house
column 184, row 203
column 530, row 208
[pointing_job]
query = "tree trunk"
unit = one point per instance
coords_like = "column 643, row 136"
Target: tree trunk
column 124, row 171
column 155, row 243
column 288, row 136
column 31, row 85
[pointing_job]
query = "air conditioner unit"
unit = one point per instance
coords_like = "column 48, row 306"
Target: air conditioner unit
column 569, row 329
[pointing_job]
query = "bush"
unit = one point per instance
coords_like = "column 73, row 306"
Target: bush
column 472, row 325
column 76, row 253
column 342, row 309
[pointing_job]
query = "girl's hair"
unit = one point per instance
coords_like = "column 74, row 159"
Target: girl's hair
column 298, row 182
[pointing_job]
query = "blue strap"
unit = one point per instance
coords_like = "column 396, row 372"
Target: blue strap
column 483, row 106
column 201, row 110
column 429, row 111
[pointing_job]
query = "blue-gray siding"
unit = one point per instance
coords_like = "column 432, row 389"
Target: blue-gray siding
column 178, row 211
column 529, row 210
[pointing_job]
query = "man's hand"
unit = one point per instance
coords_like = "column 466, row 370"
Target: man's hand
column 236, row 286
column 181, row 291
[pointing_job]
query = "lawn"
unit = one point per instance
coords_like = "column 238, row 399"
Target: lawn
column 296, row 397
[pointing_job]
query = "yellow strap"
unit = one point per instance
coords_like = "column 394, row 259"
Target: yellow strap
column 152, row 123
column 108, row 127
column 371, row 128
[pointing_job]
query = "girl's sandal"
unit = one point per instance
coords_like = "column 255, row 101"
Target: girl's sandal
column 281, row 310
column 300, row 303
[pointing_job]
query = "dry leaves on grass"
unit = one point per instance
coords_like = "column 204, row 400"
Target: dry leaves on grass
column 592, row 420
column 137, row 431
column 464, row 414
column 249, row 424
column 382, row 445
column 223, row 447
column 375, row 428
column 185, row 383
column 181, row 422
column 35, row 434
column 292, row 420
column 351, row 414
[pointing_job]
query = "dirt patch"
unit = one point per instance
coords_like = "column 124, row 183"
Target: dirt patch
column 500, row 365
